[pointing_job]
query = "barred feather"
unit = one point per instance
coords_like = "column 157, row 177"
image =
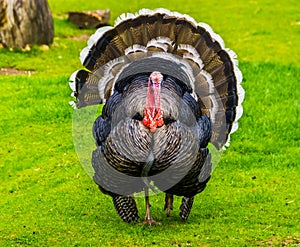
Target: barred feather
column 186, row 207
column 126, row 208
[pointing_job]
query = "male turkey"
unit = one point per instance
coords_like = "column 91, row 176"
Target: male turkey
column 169, row 88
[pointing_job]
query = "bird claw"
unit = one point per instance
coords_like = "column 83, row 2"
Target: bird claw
column 150, row 222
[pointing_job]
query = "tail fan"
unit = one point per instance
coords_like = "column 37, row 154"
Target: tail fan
column 174, row 44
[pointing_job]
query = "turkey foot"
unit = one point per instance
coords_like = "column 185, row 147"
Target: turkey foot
column 150, row 221
column 168, row 204
column 148, row 218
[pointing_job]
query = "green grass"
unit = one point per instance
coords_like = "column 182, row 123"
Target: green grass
column 253, row 199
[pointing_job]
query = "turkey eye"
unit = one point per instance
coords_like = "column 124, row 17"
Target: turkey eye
column 169, row 120
column 137, row 116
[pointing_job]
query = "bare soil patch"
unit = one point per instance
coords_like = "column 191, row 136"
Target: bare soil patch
column 14, row 71
column 81, row 37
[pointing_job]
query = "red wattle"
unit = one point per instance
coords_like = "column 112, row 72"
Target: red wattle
column 153, row 118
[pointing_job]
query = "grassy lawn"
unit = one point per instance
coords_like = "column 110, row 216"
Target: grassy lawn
column 253, row 198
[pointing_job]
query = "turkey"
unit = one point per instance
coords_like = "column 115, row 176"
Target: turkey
column 171, row 91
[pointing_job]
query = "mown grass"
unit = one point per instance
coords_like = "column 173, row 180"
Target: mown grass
column 47, row 199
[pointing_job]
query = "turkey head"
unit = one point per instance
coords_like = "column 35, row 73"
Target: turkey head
column 152, row 112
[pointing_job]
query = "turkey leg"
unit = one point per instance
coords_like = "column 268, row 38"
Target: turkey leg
column 168, row 204
column 148, row 218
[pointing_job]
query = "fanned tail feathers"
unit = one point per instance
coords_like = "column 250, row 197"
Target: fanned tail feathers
column 174, row 44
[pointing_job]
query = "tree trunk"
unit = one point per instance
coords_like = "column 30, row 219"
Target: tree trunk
column 25, row 22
